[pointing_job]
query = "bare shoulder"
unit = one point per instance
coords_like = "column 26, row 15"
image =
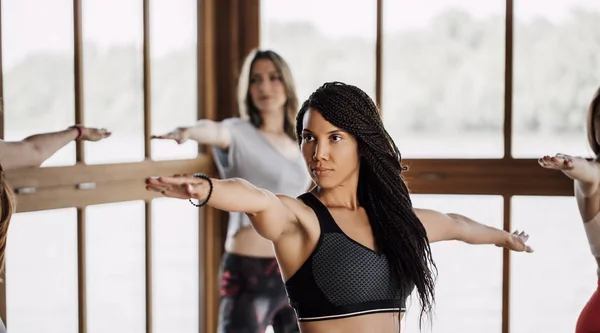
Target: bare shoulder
column 303, row 213
column 295, row 205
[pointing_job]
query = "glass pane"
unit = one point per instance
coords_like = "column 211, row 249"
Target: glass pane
column 175, row 268
column 469, row 286
column 443, row 77
column 173, row 74
column 113, row 78
column 318, row 50
column 550, row 288
column 37, row 59
column 555, row 75
column 116, row 267
column 41, row 272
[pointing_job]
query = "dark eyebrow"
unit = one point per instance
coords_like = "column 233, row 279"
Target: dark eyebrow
column 330, row 132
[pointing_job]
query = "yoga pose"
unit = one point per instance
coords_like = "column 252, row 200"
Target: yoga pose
column 34, row 150
column 260, row 148
column 353, row 248
column 586, row 178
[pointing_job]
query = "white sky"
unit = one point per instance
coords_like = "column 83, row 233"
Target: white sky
column 116, row 22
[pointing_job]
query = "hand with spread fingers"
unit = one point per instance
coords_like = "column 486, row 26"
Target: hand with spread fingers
column 180, row 186
column 517, row 241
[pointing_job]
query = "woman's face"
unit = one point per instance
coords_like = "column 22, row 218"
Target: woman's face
column 266, row 87
column 331, row 154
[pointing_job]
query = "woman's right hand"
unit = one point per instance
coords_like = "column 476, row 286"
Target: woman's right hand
column 94, row 134
column 180, row 135
column 557, row 162
column 179, row 186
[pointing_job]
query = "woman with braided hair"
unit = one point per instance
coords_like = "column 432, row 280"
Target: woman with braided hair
column 353, row 248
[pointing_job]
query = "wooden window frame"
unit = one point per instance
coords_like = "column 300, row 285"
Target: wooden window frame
column 227, row 30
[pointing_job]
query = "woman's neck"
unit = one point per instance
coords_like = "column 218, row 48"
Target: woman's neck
column 272, row 122
column 342, row 196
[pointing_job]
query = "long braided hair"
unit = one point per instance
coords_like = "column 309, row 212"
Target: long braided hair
column 382, row 192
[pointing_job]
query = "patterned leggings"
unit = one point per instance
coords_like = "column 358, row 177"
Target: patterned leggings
column 253, row 296
column 589, row 319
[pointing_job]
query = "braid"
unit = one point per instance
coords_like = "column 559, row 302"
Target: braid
column 382, row 191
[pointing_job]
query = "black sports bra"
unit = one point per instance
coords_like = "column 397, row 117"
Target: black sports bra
column 341, row 278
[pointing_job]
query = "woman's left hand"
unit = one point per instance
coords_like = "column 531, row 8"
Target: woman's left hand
column 517, row 242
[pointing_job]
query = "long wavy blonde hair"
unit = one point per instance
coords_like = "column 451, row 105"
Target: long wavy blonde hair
column 8, row 206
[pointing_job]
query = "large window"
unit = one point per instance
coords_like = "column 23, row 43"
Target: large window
column 176, row 280
column 173, row 74
column 467, row 299
column 555, row 75
column 41, row 272
column 115, row 267
column 90, row 250
column 560, row 278
column 320, row 43
column 113, row 74
column 37, row 60
column 442, row 77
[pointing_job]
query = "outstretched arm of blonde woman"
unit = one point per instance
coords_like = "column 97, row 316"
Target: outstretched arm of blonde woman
column 271, row 215
column 205, row 132
column 586, row 174
column 441, row 227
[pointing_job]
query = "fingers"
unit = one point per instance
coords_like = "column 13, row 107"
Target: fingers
column 557, row 162
column 547, row 162
column 521, row 239
column 179, row 180
column 180, row 192
column 524, row 236
column 176, row 180
column 176, row 137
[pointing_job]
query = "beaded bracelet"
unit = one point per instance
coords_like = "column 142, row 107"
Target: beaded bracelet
column 210, row 184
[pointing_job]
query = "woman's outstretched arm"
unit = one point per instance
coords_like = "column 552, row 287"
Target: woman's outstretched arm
column 586, row 174
column 205, row 132
column 35, row 149
column 271, row 215
column 441, row 227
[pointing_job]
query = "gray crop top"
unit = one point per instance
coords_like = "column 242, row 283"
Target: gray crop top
column 252, row 157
